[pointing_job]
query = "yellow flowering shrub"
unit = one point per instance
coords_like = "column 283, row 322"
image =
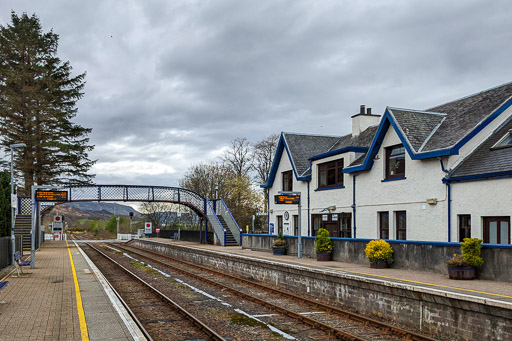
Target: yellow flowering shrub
column 379, row 250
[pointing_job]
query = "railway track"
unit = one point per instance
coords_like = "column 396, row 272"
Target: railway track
column 333, row 321
column 159, row 317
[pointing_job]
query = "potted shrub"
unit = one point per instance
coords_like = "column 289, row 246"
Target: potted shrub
column 279, row 245
column 379, row 253
column 323, row 245
column 464, row 266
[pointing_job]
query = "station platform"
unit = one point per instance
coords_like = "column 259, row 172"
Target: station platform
column 482, row 291
column 45, row 304
column 63, row 298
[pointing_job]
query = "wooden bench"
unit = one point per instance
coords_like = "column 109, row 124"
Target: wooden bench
column 19, row 263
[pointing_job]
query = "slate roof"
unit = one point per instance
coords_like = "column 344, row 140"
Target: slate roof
column 417, row 126
column 485, row 160
column 464, row 114
column 302, row 147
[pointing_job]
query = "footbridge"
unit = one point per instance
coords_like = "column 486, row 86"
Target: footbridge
column 214, row 211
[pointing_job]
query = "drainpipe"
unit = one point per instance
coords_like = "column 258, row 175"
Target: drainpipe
column 309, row 215
column 354, row 203
column 268, row 210
column 445, row 181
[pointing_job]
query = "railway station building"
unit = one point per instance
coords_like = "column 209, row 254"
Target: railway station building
column 437, row 175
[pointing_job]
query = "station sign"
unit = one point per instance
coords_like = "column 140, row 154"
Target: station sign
column 148, row 227
column 287, row 199
column 51, row 195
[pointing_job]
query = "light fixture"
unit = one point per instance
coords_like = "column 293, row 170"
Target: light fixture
column 432, row 201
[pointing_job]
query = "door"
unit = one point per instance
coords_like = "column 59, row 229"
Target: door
column 279, row 224
column 497, row 230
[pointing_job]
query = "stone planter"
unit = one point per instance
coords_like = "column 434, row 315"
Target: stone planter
column 279, row 250
column 461, row 273
column 382, row 264
column 323, row 257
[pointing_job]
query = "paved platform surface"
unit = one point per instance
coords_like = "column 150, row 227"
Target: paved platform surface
column 42, row 304
column 483, row 291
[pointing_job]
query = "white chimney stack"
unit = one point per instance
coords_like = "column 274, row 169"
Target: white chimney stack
column 363, row 120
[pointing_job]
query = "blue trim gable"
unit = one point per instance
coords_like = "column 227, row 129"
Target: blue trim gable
column 388, row 120
column 340, row 151
column 479, row 177
column 275, row 164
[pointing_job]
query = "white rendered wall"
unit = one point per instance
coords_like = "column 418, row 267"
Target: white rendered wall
column 423, row 181
column 275, row 210
column 486, row 198
column 339, row 197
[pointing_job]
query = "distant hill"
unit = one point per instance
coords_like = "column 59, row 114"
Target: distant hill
column 103, row 208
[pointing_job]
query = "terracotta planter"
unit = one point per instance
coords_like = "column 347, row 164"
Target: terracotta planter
column 323, row 257
column 279, row 250
column 379, row 264
column 462, row 273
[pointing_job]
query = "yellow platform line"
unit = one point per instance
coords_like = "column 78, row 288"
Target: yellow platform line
column 79, row 305
column 425, row 283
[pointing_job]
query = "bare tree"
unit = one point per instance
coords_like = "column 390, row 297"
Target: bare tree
column 238, row 156
column 263, row 155
column 158, row 213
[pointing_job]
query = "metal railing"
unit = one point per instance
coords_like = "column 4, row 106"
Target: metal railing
column 223, row 210
column 215, row 222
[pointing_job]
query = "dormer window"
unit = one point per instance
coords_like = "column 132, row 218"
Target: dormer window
column 504, row 142
column 330, row 174
column 395, row 162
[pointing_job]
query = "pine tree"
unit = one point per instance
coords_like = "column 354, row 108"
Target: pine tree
column 38, row 98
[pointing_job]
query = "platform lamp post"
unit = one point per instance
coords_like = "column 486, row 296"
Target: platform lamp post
column 13, row 205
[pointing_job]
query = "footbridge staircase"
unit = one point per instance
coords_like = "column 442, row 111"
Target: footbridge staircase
column 215, row 212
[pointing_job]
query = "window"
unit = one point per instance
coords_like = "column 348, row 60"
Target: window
column 287, row 181
column 330, row 174
column 497, row 230
column 464, row 226
column 395, row 162
column 338, row 224
column 296, row 224
column 401, row 225
column 504, row 142
column 384, row 225
column 346, row 225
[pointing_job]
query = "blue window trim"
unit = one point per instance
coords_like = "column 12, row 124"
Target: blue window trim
column 328, row 188
column 393, row 179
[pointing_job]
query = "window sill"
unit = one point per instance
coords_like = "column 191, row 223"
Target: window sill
column 328, row 188
column 393, row 179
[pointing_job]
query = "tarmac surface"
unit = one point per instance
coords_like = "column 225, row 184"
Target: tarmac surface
column 66, row 298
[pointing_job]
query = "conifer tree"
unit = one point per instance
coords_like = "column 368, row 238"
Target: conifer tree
column 38, row 97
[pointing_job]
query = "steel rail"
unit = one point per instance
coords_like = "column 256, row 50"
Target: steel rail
column 331, row 331
column 203, row 327
column 390, row 329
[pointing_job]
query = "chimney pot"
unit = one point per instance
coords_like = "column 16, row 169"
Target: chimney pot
column 368, row 111
column 361, row 111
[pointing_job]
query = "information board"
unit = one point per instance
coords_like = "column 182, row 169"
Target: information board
column 287, row 199
column 51, row 195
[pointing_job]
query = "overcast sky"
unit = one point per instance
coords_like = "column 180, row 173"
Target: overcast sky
column 171, row 83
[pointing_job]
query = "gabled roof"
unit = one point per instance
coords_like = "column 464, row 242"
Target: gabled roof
column 302, row 148
column 486, row 162
column 441, row 130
